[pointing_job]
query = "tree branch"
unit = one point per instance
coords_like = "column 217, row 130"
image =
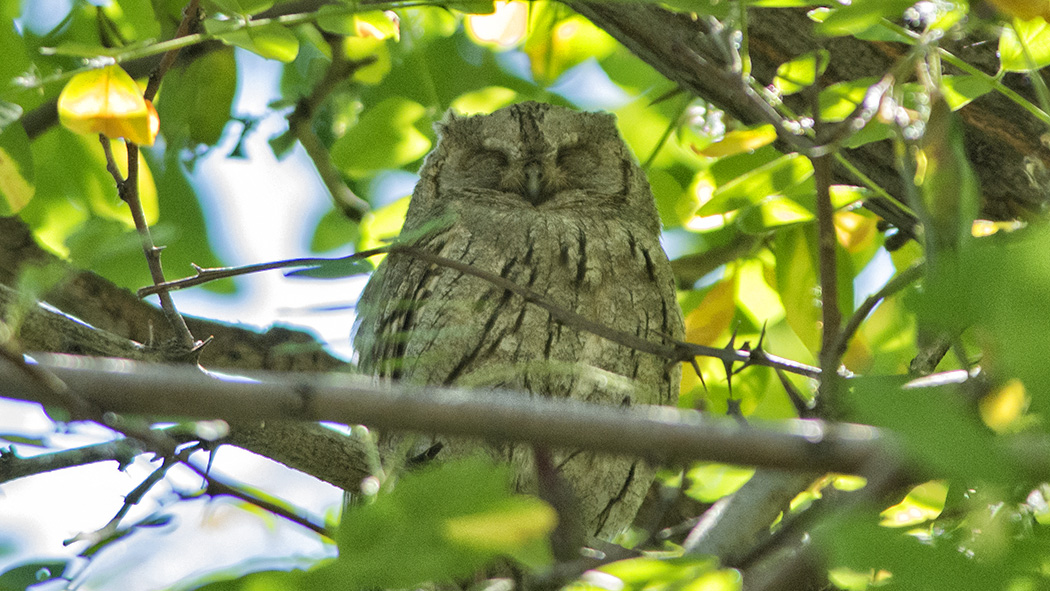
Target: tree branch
column 658, row 433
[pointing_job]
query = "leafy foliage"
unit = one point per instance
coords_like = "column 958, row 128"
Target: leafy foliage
column 739, row 208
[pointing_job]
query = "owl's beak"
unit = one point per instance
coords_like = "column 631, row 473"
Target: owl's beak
column 534, row 183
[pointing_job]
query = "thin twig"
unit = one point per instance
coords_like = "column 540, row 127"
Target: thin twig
column 300, row 125
column 667, row 348
column 894, row 285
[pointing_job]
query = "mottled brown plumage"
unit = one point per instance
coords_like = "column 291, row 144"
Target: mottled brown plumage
column 551, row 199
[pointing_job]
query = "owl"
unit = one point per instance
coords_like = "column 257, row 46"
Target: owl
column 552, row 200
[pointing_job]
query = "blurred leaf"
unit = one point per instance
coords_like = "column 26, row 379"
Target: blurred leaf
column 741, row 140
column 936, row 426
column 860, row 16
column 334, row 269
column 382, row 225
column 426, row 516
column 334, row 230
column 923, row 503
column 1024, row 9
column 135, row 19
column 756, row 185
column 709, row 482
column 359, row 48
column 376, row 24
column 959, row 91
column 384, row 137
column 272, row 41
column 108, row 101
column 241, row 7
column 773, row 212
column 854, row 542
column 839, row 100
column 17, row 183
column 948, row 187
column 705, row 323
column 195, row 105
column 23, row 576
column 1002, row 408
column 801, row 72
column 797, row 283
column 485, row 100
column 13, row 48
column 504, row 28
column 1028, row 36
column 564, row 43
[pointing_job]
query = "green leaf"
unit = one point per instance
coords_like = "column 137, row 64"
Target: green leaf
column 564, row 43
column 385, row 137
column 195, row 105
column 949, row 188
column 860, row 16
column 858, row 543
column 272, row 41
column 17, row 184
column 23, row 576
column 334, row 230
column 955, row 445
column 801, row 72
column 359, row 48
column 1031, row 37
column 451, row 519
column 959, row 91
column 756, row 185
column 796, row 273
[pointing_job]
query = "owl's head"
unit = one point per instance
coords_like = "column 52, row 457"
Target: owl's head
column 532, row 156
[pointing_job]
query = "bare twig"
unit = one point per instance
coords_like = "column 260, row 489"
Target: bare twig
column 827, row 254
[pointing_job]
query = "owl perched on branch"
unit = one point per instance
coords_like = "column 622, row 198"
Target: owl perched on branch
column 552, row 200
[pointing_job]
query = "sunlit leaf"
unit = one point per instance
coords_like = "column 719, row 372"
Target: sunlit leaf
column 385, row 137
column 922, row 503
column 485, row 100
column 382, row 225
column 756, row 185
column 710, row 482
column 567, row 43
column 773, row 212
column 377, row 24
column 359, row 48
column 855, row 231
column 1025, row 45
column 739, row 141
column 960, row 90
column 505, row 27
column 801, row 72
column 108, row 101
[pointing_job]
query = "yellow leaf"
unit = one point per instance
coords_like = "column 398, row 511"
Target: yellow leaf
column 1001, row 409
column 712, row 317
column 108, row 101
column 854, row 231
column 740, row 141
